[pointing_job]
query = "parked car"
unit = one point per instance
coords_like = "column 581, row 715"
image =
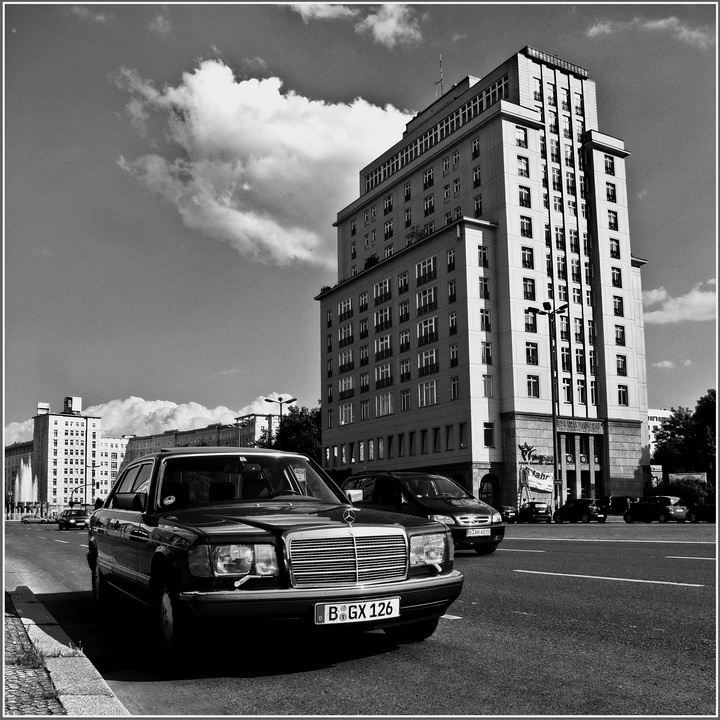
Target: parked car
column 73, row 519
column 508, row 512
column 706, row 512
column 473, row 523
column 580, row 510
column 34, row 519
column 245, row 535
column 534, row 511
column 615, row 504
column 656, row 507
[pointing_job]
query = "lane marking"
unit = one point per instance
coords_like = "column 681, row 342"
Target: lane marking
column 556, row 539
column 602, row 577
column 520, row 550
column 686, row 557
column 451, row 617
column 64, row 542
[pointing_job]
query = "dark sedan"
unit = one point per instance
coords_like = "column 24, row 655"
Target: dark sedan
column 656, row 507
column 534, row 511
column 239, row 535
column 508, row 512
column 580, row 510
column 699, row 513
column 473, row 523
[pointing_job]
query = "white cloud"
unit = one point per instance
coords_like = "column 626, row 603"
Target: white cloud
column 85, row 14
column 698, row 305
column 699, row 37
column 323, row 11
column 664, row 365
column 136, row 416
column 251, row 165
column 160, row 24
column 392, row 25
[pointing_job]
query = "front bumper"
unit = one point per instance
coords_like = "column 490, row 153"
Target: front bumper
column 462, row 540
column 420, row 599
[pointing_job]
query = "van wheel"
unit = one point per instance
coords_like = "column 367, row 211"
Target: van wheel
column 585, row 519
column 662, row 517
column 412, row 633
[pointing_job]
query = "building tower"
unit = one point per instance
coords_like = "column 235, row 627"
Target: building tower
column 487, row 321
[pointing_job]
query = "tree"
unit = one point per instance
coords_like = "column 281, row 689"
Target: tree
column 299, row 431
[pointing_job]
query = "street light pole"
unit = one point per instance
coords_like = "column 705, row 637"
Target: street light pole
column 280, row 402
column 551, row 313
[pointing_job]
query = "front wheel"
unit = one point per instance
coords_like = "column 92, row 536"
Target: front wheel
column 627, row 518
column 558, row 520
column 412, row 633
column 662, row 517
column 585, row 519
column 170, row 620
column 692, row 517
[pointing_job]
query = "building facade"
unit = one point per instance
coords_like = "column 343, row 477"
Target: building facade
column 487, row 317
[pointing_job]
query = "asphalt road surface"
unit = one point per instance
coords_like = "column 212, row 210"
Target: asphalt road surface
column 610, row 619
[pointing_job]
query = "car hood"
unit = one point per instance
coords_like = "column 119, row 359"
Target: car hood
column 278, row 517
column 456, row 506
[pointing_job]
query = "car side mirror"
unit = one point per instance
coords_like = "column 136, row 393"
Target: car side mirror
column 354, row 496
column 139, row 502
column 99, row 503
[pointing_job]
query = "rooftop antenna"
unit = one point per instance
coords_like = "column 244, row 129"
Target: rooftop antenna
column 440, row 81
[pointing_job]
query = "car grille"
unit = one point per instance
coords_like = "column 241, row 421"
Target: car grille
column 473, row 519
column 346, row 556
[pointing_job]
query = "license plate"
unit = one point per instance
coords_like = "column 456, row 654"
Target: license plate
column 350, row 612
column 478, row 532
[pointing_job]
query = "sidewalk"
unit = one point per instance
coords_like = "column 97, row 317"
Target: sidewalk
column 44, row 673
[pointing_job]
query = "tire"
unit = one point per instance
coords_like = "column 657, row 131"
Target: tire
column 26, row 522
column 585, row 519
column 601, row 520
column 692, row 517
column 627, row 518
column 412, row 633
column 100, row 589
column 558, row 520
column 171, row 624
column 485, row 549
column 662, row 517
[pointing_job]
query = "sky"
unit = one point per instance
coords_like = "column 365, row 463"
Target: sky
column 172, row 173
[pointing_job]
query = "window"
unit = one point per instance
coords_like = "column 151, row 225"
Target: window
column 388, row 229
column 531, row 353
column 567, row 390
column 476, row 177
column 429, row 205
column 486, row 353
column 425, row 271
column 612, row 220
column 530, row 322
column 452, row 323
column 405, row 400
column 619, row 335
column 485, row 320
column 346, row 413
column 427, row 331
column 404, row 311
column 521, row 137
column 388, row 204
column 475, row 148
column 383, row 404
column 623, row 398
column 403, row 283
column 581, row 392
column 618, row 308
column 580, row 361
column 405, row 370
column 408, row 217
column 428, row 179
column 426, row 300
column 483, row 257
column 609, row 165
column 454, row 355
column 533, row 386
column 593, row 393
column 524, row 196
column 405, row 340
column 487, row 384
column 477, row 205
column 528, row 258
column 450, row 260
column 407, row 191
column 523, row 166
column 615, row 248
column 454, row 388
column 383, row 319
column 529, row 289
column 452, row 291
column 526, row 226
column 427, row 393
column 456, row 187
column 616, row 277
column 565, row 359
column 621, row 365
column 484, row 288
column 456, row 158
column 610, row 192
column 489, row 434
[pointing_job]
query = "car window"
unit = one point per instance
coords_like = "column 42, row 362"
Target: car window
column 210, row 479
column 434, row 486
column 366, row 484
column 141, row 483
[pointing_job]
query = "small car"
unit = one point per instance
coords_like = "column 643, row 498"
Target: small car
column 534, row 511
column 508, row 512
column 73, row 519
column 26, row 519
column 656, row 507
column 580, row 510
column 474, row 524
column 240, row 536
column 706, row 512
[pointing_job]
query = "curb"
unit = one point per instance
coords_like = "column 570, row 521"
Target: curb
column 79, row 687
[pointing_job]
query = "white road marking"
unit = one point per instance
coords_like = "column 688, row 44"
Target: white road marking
column 685, row 557
column 452, row 617
column 520, row 550
column 602, row 577
column 64, row 542
column 617, row 540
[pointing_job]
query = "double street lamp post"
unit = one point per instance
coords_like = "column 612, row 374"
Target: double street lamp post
column 551, row 313
column 280, row 402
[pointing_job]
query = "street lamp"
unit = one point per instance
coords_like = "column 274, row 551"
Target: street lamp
column 281, row 402
column 551, row 313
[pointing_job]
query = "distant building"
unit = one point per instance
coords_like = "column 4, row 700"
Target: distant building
column 501, row 201
column 654, row 421
column 68, row 460
column 245, row 432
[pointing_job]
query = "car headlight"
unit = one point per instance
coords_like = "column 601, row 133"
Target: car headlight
column 428, row 549
column 444, row 519
column 497, row 517
column 233, row 559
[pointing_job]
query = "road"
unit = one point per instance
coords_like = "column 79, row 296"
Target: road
column 610, row 619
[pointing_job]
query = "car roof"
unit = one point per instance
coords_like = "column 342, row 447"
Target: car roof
column 214, row 450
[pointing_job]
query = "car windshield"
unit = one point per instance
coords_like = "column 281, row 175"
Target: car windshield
column 211, row 479
column 435, row 486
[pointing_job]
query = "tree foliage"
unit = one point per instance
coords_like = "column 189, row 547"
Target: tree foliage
column 685, row 442
column 299, row 431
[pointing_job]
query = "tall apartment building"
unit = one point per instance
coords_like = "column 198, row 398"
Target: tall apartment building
column 68, row 460
column 502, row 198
